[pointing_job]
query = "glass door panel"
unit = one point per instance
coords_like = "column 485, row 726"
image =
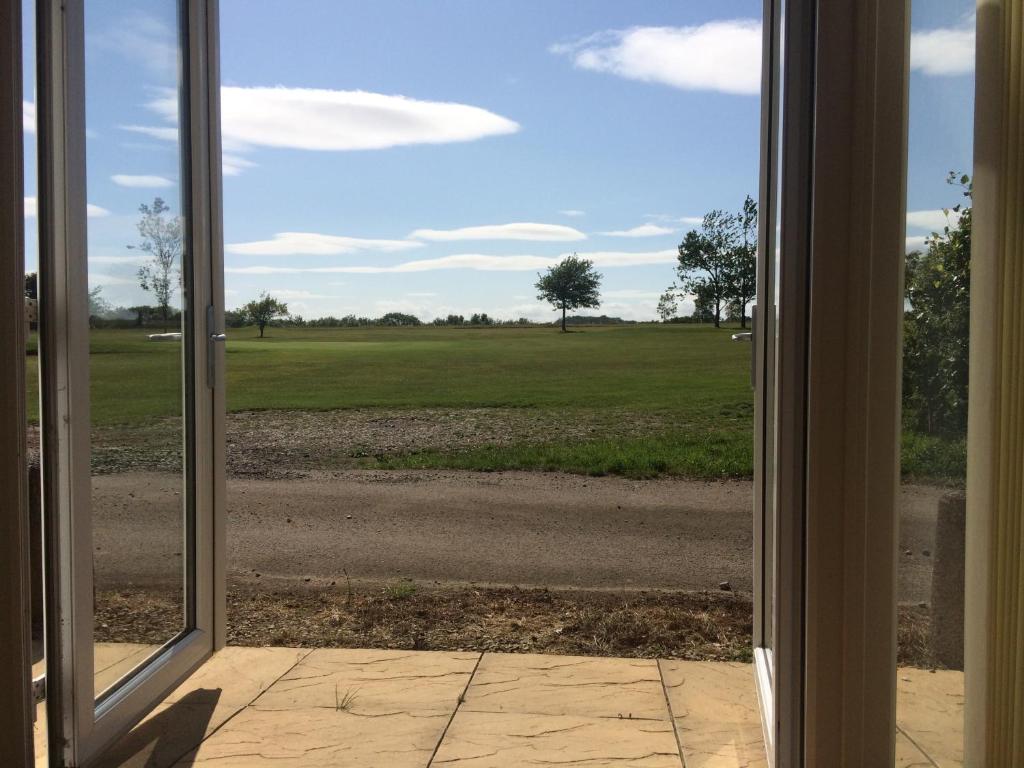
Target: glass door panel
column 131, row 265
column 139, row 314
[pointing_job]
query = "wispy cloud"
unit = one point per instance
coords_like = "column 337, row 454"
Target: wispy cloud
column 298, row 295
column 933, row 221
column 644, row 230
column 722, row 56
column 233, row 165
column 526, row 230
column 141, row 182
column 475, row 261
column 916, row 242
column 572, row 212
column 143, row 38
column 164, row 133
column 314, row 244
column 944, row 50
column 92, row 211
column 28, row 116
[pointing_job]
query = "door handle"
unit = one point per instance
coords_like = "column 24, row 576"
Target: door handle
column 749, row 336
column 212, row 340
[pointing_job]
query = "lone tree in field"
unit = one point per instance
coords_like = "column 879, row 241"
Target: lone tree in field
column 161, row 236
column 667, row 305
column 261, row 311
column 571, row 284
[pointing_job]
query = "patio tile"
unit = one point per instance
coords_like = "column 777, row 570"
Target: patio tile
column 374, row 682
column 567, row 685
column 714, row 706
column 908, row 755
column 500, row 740
column 321, row 737
column 930, row 710
column 214, row 693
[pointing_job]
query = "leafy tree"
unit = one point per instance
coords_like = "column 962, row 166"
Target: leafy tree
column 31, row 285
column 936, row 324
column 398, row 318
column 667, row 305
column 703, row 307
column 264, row 309
column 98, row 306
column 571, row 284
column 706, row 261
column 743, row 273
column 162, row 239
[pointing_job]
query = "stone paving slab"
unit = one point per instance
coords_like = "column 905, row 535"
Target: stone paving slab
column 567, row 685
column 506, row 739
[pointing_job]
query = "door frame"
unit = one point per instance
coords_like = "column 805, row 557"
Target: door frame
column 843, row 200
column 79, row 726
column 15, row 631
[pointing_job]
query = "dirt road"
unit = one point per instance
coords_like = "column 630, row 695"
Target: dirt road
column 521, row 528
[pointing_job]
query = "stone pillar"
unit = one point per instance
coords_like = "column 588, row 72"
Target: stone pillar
column 947, row 618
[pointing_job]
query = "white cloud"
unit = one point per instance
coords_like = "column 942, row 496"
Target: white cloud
column 96, row 278
column 322, row 119
column 28, row 116
column 164, row 133
column 476, row 261
column 92, row 211
column 128, row 260
column 141, row 182
column 573, row 213
column 289, row 294
column 720, row 56
column 142, row 38
column 421, row 294
column 513, row 231
column 943, row 51
column 233, row 165
column 314, row 244
column 692, row 221
column 644, row 230
column 933, row 221
column 631, row 293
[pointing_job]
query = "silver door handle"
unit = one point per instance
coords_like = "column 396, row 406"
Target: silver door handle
column 743, row 337
column 218, row 337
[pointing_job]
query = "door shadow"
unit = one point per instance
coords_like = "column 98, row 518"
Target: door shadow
column 167, row 736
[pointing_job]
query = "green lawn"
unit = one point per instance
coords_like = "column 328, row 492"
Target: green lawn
column 690, row 382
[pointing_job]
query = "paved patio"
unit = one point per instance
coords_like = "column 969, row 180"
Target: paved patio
column 251, row 707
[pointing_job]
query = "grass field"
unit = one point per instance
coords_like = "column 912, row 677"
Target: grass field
column 688, row 384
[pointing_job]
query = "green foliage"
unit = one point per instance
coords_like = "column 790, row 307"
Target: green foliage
column 571, row 284
column 162, row 239
column 718, row 262
column 264, row 309
column 936, row 326
column 667, row 306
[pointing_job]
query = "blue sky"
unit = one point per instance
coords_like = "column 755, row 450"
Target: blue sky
column 433, row 157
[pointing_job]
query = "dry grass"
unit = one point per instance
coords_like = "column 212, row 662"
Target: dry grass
column 706, row 626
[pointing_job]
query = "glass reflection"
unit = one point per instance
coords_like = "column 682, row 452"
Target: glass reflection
column 137, row 313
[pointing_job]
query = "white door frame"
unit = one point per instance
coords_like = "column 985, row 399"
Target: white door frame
column 80, row 728
column 843, row 197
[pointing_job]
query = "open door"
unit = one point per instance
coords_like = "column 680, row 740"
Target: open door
column 131, row 420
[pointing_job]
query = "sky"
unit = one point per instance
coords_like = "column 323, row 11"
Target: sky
column 433, row 157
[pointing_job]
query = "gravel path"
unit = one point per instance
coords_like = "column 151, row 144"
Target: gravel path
column 518, row 528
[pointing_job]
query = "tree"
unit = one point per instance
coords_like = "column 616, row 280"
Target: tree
column 98, row 306
column 706, row 259
column 571, row 284
column 703, row 307
column 264, row 309
column 667, row 306
column 743, row 273
column 162, row 239
column 937, row 322
column 31, row 285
